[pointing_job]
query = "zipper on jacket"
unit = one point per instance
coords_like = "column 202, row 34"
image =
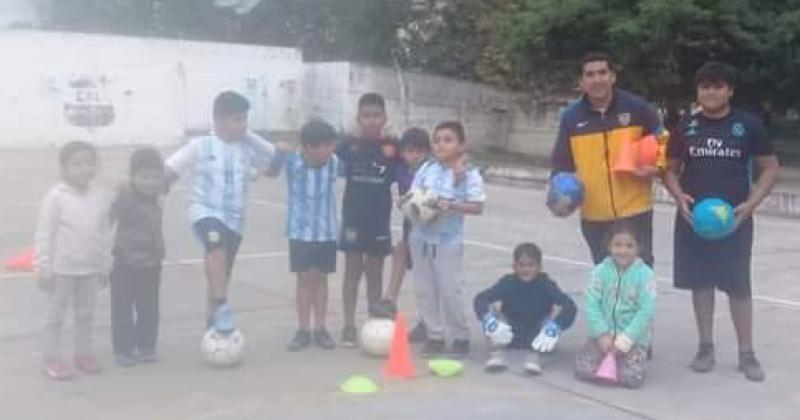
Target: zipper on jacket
column 608, row 165
column 616, row 301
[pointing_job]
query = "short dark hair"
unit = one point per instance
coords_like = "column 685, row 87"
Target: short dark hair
column 416, row 138
column 715, row 71
column 316, row 132
column 620, row 227
column 372, row 99
column 74, row 147
column 146, row 158
column 229, row 103
column 529, row 250
column 593, row 56
column 455, row 127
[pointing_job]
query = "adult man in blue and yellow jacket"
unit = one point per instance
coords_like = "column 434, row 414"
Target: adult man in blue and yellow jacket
column 590, row 136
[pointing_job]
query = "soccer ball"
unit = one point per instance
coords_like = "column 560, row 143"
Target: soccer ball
column 565, row 194
column 713, row 218
column 376, row 336
column 419, row 205
column 222, row 350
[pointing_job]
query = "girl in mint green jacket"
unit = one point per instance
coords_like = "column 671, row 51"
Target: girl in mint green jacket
column 619, row 306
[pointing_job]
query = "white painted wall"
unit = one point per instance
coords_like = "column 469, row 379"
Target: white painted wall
column 161, row 89
column 158, row 89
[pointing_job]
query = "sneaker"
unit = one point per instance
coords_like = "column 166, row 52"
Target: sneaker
column 223, row 319
column 749, row 365
column 87, row 363
column 57, row 370
column 460, row 349
column 496, row 362
column 323, row 340
column 301, row 340
column 349, row 336
column 419, row 334
column 433, row 348
column 533, row 363
column 125, row 360
column 704, row 360
column 146, row 356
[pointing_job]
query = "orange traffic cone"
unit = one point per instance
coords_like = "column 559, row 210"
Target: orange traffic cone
column 22, row 262
column 607, row 371
column 399, row 365
column 648, row 151
column 626, row 157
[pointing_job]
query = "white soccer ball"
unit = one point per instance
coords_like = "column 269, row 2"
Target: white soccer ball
column 419, row 205
column 376, row 336
column 222, row 350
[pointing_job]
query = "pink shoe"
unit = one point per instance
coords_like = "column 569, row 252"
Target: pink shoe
column 87, row 363
column 57, row 370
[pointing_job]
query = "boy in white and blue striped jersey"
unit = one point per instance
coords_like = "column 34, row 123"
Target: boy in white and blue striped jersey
column 311, row 229
column 219, row 166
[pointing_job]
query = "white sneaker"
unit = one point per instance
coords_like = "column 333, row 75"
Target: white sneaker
column 496, row 362
column 533, row 363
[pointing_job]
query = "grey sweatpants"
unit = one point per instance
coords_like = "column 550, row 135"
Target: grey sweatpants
column 439, row 289
column 80, row 291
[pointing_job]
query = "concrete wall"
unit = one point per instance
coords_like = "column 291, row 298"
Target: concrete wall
column 116, row 90
column 119, row 90
column 492, row 117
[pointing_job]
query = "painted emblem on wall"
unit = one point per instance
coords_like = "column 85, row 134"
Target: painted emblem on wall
column 87, row 103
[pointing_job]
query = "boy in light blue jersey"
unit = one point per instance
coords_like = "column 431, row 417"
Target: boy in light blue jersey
column 437, row 246
column 311, row 229
column 219, row 167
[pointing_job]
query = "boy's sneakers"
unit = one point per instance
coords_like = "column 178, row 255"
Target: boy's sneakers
column 87, row 363
column 146, row 356
column 349, row 336
column 433, row 348
column 301, row 340
column 460, row 349
column 223, row 319
column 533, row 363
column 704, row 360
column 419, row 334
column 323, row 340
column 749, row 365
column 57, row 370
column 125, row 360
column 496, row 362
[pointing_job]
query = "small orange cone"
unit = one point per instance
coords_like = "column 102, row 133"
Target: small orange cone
column 22, row 262
column 607, row 371
column 626, row 157
column 648, row 151
column 399, row 365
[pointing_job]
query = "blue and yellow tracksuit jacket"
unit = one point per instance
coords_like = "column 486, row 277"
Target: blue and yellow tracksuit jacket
column 588, row 143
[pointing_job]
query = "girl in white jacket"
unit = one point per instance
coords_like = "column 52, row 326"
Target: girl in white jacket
column 73, row 256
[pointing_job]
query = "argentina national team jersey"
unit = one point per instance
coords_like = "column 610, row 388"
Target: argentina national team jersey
column 718, row 154
column 219, row 173
column 311, row 191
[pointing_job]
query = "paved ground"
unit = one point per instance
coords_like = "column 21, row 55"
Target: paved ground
column 275, row 384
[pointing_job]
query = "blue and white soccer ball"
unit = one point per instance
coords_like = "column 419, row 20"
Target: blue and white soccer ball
column 565, row 194
column 222, row 350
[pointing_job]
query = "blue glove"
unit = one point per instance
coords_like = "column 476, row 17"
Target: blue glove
column 547, row 339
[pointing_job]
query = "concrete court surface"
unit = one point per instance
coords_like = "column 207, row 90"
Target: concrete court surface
column 275, row 384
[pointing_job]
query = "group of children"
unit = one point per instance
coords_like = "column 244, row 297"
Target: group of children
column 79, row 223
